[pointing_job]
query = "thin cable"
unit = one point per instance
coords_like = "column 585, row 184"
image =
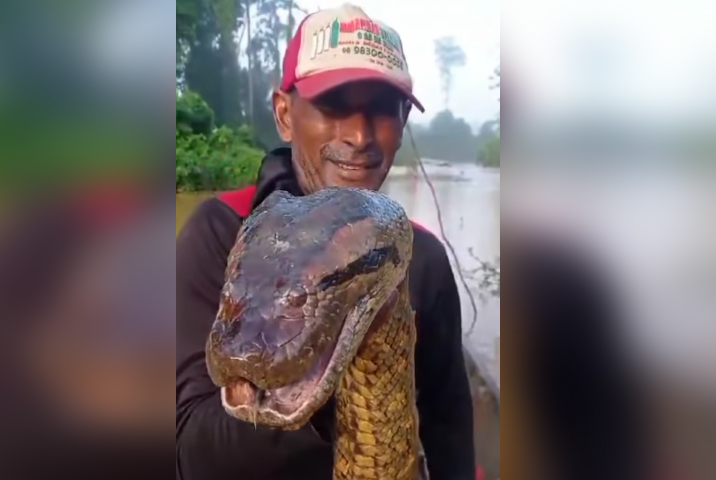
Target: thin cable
column 444, row 235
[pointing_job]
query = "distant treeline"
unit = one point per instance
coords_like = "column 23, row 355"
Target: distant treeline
column 452, row 139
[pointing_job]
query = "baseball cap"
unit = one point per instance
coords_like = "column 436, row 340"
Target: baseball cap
column 337, row 46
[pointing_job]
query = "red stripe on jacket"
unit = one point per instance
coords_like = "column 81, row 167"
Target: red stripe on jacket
column 241, row 200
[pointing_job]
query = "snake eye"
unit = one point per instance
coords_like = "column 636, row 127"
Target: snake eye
column 297, row 297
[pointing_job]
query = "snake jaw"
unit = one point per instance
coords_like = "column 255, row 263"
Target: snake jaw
column 248, row 403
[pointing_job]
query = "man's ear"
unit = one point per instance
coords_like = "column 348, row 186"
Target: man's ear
column 281, row 114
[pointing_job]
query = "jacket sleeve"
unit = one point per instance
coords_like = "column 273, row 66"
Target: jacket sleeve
column 211, row 445
column 448, row 431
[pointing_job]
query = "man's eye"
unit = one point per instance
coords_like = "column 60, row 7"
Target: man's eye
column 334, row 109
column 387, row 107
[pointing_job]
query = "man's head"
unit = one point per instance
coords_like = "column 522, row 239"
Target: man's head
column 344, row 99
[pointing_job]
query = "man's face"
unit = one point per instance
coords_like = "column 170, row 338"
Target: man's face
column 346, row 138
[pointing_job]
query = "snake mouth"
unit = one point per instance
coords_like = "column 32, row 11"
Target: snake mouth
column 291, row 406
column 277, row 407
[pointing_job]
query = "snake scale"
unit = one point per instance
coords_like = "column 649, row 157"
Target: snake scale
column 315, row 304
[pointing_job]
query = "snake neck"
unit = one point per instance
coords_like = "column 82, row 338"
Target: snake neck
column 376, row 414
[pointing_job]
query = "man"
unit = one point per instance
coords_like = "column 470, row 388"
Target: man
column 342, row 105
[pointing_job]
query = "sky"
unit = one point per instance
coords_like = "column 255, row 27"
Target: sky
column 475, row 25
column 647, row 60
column 130, row 37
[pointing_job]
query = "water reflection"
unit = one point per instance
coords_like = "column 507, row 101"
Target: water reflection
column 469, row 204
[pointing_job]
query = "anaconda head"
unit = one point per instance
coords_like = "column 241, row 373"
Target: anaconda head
column 304, row 282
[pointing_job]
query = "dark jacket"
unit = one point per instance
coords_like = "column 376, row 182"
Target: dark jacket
column 581, row 381
column 211, row 445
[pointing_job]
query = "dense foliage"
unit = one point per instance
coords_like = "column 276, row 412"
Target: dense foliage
column 228, row 59
column 211, row 158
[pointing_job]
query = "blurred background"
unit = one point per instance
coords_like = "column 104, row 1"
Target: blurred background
column 86, row 258
column 611, row 173
column 611, row 155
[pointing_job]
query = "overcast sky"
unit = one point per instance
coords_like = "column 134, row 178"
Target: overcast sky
column 130, row 38
column 652, row 59
column 475, row 24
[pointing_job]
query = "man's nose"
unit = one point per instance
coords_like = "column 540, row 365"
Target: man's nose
column 356, row 130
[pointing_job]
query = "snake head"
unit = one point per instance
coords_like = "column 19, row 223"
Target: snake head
column 304, row 282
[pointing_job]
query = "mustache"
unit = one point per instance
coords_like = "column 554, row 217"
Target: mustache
column 346, row 154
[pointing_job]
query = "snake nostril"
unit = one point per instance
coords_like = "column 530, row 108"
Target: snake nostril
column 297, row 297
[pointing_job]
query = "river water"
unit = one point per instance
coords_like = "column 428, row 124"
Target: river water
column 468, row 199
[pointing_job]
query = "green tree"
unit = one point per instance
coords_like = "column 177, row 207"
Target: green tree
column 194, row 116
column 228, row 61
column 207, row 157
column 229, row 52
column 490, row 153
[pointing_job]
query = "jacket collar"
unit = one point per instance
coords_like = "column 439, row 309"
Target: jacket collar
column 276, row 173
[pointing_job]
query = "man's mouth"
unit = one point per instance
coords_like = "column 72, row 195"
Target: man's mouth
column 356, row 166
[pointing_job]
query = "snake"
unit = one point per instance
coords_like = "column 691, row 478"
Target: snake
column 314, row 306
